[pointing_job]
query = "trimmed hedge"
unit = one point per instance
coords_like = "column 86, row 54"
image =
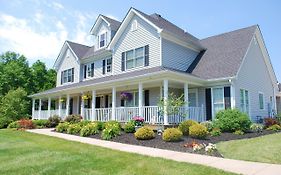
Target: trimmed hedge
column 198, row 131
column 172, row 135
column 184, row 126
column 144, row 133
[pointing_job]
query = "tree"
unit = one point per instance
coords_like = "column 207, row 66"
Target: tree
column 14, row 105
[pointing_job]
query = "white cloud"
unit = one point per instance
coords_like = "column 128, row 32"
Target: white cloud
column 38, row 17
column 57, row 6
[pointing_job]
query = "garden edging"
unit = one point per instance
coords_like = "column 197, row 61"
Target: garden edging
column 236, row 166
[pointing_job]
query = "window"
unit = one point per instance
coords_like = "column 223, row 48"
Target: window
column 89, row 70
column 109, row 65
column 244, row 101
column 218, row 99
column 261, row 100
column 135, row 58
column 134, row 25
column 135, row 100
column 102, row 40
column 67, row 76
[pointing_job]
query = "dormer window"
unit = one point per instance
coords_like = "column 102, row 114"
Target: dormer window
column 102, row 40
column 134, row 25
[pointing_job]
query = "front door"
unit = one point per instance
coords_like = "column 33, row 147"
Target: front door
column 71, row 106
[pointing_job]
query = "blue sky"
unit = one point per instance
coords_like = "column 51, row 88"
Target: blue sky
column 38, row 29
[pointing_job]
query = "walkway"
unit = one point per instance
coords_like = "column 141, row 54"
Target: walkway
column 236, row 166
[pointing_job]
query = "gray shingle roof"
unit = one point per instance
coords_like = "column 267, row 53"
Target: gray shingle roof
column 114, row 24
column 78, row 49
column 224, row 54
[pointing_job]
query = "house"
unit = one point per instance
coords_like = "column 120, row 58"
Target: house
column 137, row 62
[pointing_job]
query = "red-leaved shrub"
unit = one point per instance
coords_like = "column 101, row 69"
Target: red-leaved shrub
column 270, row 121
column 26, row 124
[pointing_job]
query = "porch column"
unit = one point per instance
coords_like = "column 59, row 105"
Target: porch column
column 33, row 108
column 232, row 96
column 40, row 103
column 82, row 105
column 186, row 100
column 140, row 99
column 93, row 117
column 113, row 102
column 49, row 107
column 166, row 94
column 67, row 105
column 60, row 106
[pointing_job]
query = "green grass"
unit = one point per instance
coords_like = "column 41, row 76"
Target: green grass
column 261, row 149
column 26, row 153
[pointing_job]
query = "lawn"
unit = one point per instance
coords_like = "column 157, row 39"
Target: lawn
column 26, row 153
column 261, row 149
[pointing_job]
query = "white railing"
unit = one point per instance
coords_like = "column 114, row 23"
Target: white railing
column 151, row 115
column 35, row 114
column 54, row 112
column 125, row 114
column 197, row 114
column 44, row 114
column 103, row 114
column 87, row 114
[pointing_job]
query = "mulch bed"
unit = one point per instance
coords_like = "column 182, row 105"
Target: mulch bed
column 157, row 142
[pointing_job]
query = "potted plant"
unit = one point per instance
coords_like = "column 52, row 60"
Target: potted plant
column 126, row 96
column 138, row 122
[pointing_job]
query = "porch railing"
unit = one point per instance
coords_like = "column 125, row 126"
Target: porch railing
column 125, row 114
column 103, row 114
column 151, row 115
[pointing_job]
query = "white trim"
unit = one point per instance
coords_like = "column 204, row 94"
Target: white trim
column 212, row 97
column 232, row 96
column 166, row 94
column 97, row 23
column 134, row 59
column 160, row 53
column 113, row 102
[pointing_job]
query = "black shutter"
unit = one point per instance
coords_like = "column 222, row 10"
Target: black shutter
column 146, row 55
column 106, row 101
column 72, row 75
column 208, row 104
column 123, row 62
column 85, row 71
column 103, row 66
column 227, row 101
column 122, row 102
column 146, row 98
column 92, row 69
column 61, row 77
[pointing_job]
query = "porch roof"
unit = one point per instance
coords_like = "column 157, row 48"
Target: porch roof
column 134, row 75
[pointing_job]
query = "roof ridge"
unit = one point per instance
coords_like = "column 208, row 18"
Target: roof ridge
column 217, row 35
column 110, row 18
column 77, row 43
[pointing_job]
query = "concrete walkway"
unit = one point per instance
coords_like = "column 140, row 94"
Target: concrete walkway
column 236, row 166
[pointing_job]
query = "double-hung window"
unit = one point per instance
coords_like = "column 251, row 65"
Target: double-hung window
column 102, row 40
column 218, row 99
column 244, row 101
column 135, row 58
column 67, row 76
column 109, row 65
column 261, row 100
column 89, row 70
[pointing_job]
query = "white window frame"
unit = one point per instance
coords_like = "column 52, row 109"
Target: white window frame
column 88, row 70
column 105, row 39
column 134, row 25
column 212, row 94
column 134, row 58
column 245, row 110
column 106, row 66
column 135, row 102
column 65, row 73
column 263, row 100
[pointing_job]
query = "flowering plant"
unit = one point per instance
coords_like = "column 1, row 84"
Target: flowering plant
column 86, row 97
column 62, row 100
column 126, row 96
column 138, row 120
column 198, row 147
column 210, row 148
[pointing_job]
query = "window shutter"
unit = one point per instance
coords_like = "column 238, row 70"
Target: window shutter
column 146, row 98
column 61, row 77
column 122, row 103
column 208, row 104
column 85, row 71
column 123, row 62
column 106, row 101
column 227, row 101
column 146, row 55
column 92, row 69
column 72, row 75
column 103, row 66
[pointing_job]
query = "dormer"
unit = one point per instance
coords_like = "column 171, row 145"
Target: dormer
column 103, row 31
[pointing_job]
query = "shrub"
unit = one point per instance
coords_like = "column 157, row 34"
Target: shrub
column 62, row 127
column 4, row 122
column 270, row 122
column 53, row 121
column 89, row 129
column 14, row 124
column 112, row 129
column 172, row 135
column 73, row 129
column 215, row 132
column 184, row 126
column 231, row 120
column 40, row 123
column 198, row 131
column 144, row 133
column 208, row 125
column 100, row 125
column 274, row 127
column 129, row 127
column 239, row 132
column 255, row 127
column 84, row 123
column 26, row 124
column 73, row 118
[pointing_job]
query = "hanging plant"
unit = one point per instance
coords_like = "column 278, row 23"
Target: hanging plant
column 86, row 97
column 126, row 96
column 62, row 100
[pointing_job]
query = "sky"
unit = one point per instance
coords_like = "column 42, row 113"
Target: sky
column 38, row 28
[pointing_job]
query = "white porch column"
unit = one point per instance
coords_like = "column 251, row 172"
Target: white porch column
column 186, row 100
column 166, row 94
column 67, row 105
column 60, row 106
column 39, row 108
column 113, row 102
column 33, row 108
column 82, row 105
column 49, row 106
column 232, row 96
column 140, row 99
column 93, row 117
